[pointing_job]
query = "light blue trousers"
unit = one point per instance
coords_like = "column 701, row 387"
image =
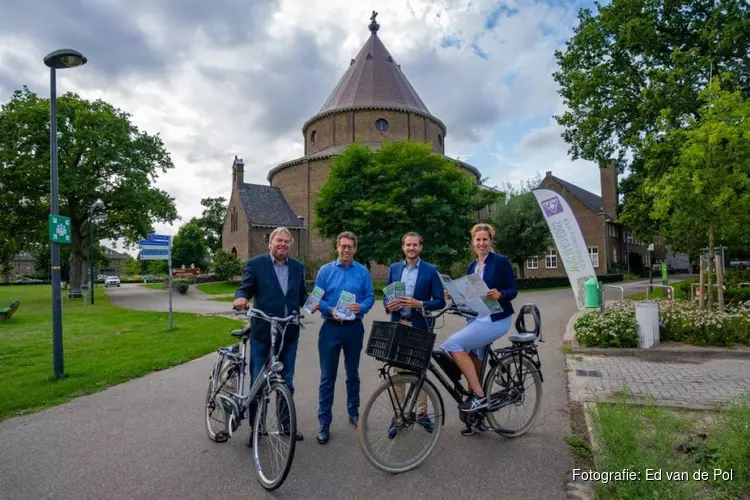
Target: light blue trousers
column 476, row 335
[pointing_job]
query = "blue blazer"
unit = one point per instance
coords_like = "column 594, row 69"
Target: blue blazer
column 428, row 289
column 498, row 274
column 259, row 282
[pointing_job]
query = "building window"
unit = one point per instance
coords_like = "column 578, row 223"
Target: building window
column 551, row 259
column 313, row 136
column 594, row 254
column 440, row 140
column 381, row 125
column 532, row 262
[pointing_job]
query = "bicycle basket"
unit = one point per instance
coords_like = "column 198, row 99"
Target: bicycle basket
column 400, row 345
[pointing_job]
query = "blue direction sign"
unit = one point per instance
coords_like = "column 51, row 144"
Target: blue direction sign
column 153, row 243
column 154, row 254
column 160, row 237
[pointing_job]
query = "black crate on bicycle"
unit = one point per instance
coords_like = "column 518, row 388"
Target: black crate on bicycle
column 400, row 345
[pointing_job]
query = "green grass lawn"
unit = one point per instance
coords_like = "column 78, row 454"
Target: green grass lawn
column 219, row 288
column 678, row 443
column 103, row 345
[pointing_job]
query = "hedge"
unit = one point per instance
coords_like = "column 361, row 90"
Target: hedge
column 559, row 281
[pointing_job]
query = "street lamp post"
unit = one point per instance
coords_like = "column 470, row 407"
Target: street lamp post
column 98, row 204
column 59, row 59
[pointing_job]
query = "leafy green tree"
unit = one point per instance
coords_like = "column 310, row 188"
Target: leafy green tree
column 212, row 221
column 189, row 246
column 101, row 154
column 226, row 265
column 521, row 230
column 708, row 181
column 637, row 64
column 403, row 186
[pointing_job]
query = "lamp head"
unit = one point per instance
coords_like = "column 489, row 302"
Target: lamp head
column 65, row 58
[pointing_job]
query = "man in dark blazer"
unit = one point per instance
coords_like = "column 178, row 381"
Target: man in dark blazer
column 276, row 283
column 423, row 290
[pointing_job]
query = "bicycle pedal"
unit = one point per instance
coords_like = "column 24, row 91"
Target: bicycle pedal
column 222, row 437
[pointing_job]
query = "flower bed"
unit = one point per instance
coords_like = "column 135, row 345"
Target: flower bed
column 678, row 322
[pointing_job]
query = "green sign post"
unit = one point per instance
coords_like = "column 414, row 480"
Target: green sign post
column 59, row 229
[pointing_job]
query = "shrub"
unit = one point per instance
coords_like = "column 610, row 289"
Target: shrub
column 183, row 288
column 616, row 327
column 679, row 321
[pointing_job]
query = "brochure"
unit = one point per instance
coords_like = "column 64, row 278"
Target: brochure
column 395, row 290
column 314, row 298
column 342, row 306
column 470, row 292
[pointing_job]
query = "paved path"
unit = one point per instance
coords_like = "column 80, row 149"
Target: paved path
column 694, row 383
column 135, row 296
column 145, row 438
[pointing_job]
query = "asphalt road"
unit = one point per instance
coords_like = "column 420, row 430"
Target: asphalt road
column 145, row 438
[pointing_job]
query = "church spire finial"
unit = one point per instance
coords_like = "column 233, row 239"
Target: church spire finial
column 374, row 26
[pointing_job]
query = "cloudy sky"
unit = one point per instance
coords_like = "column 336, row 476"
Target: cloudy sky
column 221, row 78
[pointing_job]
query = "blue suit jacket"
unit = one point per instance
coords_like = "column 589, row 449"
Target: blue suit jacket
column 428, row 289
column 259, row 282
column 498, row 274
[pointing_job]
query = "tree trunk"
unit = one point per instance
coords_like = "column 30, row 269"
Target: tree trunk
column 76, row 261
column 711, row 257
column 521, row 273
column 720, row 282
column 701, row 283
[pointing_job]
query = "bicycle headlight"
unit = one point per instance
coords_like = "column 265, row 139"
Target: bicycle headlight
column 277, row 367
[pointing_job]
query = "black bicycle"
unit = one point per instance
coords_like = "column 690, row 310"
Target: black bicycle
column 229, row 401
column 413, row 410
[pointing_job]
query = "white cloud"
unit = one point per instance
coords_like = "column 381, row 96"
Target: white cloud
column 241, row 77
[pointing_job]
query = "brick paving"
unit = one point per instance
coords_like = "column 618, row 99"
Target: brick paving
column 700, row 384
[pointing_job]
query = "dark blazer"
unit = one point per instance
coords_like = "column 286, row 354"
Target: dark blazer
column 428, row 289
column 498, row 274
column 259, row 282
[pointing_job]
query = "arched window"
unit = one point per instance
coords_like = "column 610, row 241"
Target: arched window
column 381, row 125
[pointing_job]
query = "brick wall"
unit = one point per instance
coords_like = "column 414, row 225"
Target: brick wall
column 237, row 239
column 592, row 227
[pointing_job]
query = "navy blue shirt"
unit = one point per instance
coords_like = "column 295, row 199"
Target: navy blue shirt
column 334, row 278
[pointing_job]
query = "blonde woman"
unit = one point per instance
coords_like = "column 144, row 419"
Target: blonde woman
column 466, row 346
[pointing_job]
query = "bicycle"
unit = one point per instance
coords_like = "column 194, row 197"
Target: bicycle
column 411, row 350
column 226, row 395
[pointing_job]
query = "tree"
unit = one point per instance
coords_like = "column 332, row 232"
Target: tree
column 639, row 63
column 708, row 181
column 226, row 265
column 101, row 155
column 521, row 230
column 403, row 186
column 212, row 221
column 189, row 246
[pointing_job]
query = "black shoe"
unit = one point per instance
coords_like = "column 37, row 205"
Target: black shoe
column 354, row 420
column 323, row 435
column 297, row 435
column 473, row 404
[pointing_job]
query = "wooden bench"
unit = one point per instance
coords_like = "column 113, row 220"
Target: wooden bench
column 6, row 313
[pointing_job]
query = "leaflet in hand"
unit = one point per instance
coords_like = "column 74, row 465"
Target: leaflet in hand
column 470, row 292
column 395, row 290
column 342, row 306
column 314, row 298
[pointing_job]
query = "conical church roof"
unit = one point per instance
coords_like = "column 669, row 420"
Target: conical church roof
column 373, row 80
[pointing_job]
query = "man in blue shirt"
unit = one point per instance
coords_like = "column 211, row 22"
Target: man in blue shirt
column 342, row 329
column 423, row 290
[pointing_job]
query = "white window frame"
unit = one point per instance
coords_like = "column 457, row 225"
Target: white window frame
column 550, row 260
column 532, row 262
column 593, row 253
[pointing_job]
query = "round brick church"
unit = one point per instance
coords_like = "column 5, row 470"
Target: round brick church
column 372, row 102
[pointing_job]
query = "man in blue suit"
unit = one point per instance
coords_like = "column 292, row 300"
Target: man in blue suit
column 423, row 290
column 276, row 282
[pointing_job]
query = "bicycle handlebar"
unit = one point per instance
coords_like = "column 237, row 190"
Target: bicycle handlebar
column 252, row 312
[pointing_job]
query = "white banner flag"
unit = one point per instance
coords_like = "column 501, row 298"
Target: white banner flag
column 571, row 246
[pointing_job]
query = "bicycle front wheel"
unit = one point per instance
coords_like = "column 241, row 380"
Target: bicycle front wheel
column 396, row 441
column 274, row 436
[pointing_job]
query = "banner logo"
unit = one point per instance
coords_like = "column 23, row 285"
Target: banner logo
column 552, row 206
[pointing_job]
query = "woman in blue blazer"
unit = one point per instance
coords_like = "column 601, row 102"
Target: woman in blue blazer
column 466, row 346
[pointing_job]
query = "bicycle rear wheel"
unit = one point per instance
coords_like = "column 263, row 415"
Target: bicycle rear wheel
column 384, row 433
column 274, row 445
column 510, row 396
column 218, row 415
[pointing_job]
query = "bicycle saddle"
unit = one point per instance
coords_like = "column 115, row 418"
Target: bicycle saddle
column 238, row 334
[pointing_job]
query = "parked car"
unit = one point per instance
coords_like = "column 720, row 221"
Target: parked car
column 112, row 281
column 150, row 278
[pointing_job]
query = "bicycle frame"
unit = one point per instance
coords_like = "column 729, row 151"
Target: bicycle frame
column 455, row 388
column 237, row 403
